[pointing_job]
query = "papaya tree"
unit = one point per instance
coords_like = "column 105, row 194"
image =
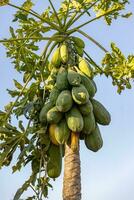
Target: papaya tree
column 56, row 97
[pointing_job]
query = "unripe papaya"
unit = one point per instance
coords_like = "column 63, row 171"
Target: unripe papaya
column 43, row 112
column 79, row 42
column 51, row 130
column 54, row 116
column 74, row 78
column 56, row 59
column 54, row 95
column 62, row 81
column 85, row 67
column 54, row 164
column 80, row 94
column 79, row 50
column 64, row 101
column 94, row 141
column 74, row 120
column 88, row 83
column 101, row 114
column 85, row 109
column 64, row 53
column 62, row 132
column 89, row 123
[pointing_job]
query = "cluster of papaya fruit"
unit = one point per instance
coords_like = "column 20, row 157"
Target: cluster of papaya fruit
column 71, row 112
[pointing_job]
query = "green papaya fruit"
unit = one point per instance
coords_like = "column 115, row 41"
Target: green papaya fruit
column 84, row 67
column 74, row 120
column 64, row 101
column 89, row 123
column 89, row 85
column 94, row 141
column 54, row 164
column 56, row 59
column 54, row 116
column 80, row 94
column 54, row 95
column 79, row 42
column 64, row 53
column 85, row 109
column 74, row 78
column 101, row 114
column 79, row 50
column 62, row 132
column 43, row 112
column 62, row 81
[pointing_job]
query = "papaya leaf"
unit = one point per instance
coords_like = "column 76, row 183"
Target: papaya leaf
column 4, row 2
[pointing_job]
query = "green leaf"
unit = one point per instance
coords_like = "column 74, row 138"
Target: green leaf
column 4, row 2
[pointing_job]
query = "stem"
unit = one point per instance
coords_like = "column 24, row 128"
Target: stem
column 9, row 112
column 33, row 189
column 36, row 15
column 93, row 40
column 94, row 19
column 65, row 19
column 93, row 62
column 56, row 15
column 32, row 38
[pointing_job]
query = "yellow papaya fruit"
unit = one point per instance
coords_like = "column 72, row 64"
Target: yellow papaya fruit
column 51, row 130
column 74, row 141
column 56, row 59
column 64, row 53
column 84, row 67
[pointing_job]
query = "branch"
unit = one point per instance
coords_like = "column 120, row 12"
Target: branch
column 94, row 19
column 89, row 58
column 56, row 15
column 85, row 11
column 37, row 16
column 93, row 40
column 32, row 38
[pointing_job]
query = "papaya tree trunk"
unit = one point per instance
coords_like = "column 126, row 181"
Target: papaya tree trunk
column 72, row 175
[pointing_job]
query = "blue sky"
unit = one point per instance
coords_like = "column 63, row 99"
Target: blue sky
column 108, row 174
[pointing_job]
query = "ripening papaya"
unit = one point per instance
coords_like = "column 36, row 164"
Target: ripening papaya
column 61, row 80
column 74, row 141
column 84, row 67
column 80, row 94
column 79, row 42
column 62, row 132
column 89, row 123
column 51, row 131
column 85, row 109
column 64, row 53
column 64, row 101
column 43, row 112
column 101, row 114
column 94, row 140
column 74, row 120
column 54, row 164
column 54, row 116
column 56, row 59
column 74, row 78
